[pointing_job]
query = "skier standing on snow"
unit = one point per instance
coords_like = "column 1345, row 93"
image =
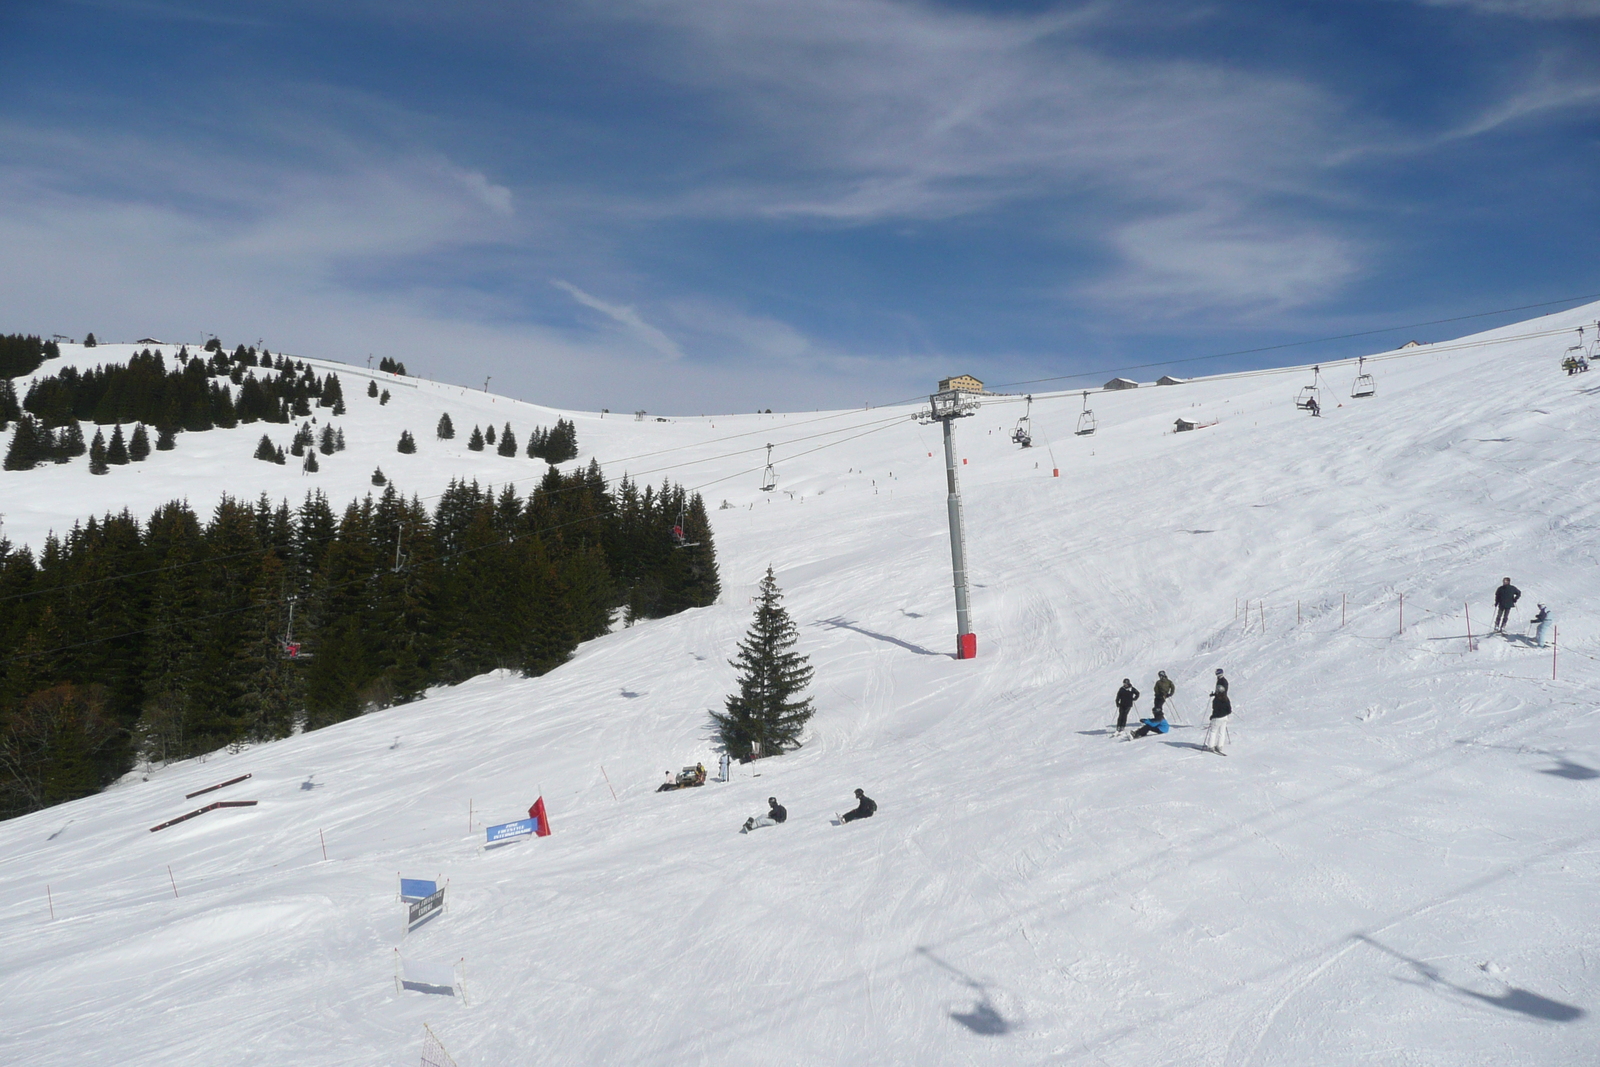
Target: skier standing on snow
column 862, row 810
column 1541, row 626
column 1125, row 698
column 1221, row 708
column 1505, row 598
column 776, row 813
column 1161, row 692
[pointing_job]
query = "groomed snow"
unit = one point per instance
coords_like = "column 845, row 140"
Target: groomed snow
column 1394, row 864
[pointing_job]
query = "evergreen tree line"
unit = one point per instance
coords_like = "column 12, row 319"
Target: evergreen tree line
column 20, row 354
column 173, row 637
column 187, row 397
column 392, row 366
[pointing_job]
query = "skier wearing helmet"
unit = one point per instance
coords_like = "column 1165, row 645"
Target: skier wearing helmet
column 776, row 813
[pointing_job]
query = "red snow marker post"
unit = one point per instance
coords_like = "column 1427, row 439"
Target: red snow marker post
column 608, row 783
column 173, row 880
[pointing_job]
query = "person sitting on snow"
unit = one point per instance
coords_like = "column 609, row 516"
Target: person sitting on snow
column 776, row 813
column 863, row 810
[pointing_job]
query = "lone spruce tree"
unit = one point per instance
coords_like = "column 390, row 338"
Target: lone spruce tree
column 771, row 675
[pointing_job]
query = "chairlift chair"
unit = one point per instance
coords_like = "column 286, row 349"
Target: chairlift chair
column 679, row 539
column 287, row 644
column 1309, row 394
column 1365, row 384
column 769, row 477
column 1086, row 421
column 1023, row 434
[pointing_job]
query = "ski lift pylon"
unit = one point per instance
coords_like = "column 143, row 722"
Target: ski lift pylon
column 1086, row 421
column 1023, row 434
column 1308, row 396
column 1364, row 384
column 769, row 477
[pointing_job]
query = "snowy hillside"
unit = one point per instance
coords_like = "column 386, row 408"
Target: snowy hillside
column 1393, row 864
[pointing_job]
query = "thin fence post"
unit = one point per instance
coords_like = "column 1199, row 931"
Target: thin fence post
column 324, row 841
column 1402, row 613
column 1263, row 606
column 1555, row 636
column 173, row 880
column 608, row 783
column 51, row 901
column 1297, row 619
column 1341, row 610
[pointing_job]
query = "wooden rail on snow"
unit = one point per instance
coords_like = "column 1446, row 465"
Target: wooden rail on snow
column 201, row 811
column 214, row 788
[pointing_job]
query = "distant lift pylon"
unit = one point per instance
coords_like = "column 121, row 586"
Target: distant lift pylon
column 769, row 477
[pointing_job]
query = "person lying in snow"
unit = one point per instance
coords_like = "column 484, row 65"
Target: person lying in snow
column 776, row 813
column 863, row 810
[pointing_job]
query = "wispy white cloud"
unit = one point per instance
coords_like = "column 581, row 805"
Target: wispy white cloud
column 1527, row 9
column 626, row 317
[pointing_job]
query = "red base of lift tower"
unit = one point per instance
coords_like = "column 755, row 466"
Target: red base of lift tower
column 966, row 646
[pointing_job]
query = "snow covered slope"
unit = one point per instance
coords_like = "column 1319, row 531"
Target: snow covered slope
column 1393, row 864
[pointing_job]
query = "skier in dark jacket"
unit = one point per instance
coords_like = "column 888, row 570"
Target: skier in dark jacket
column 1125, row 698
column 862, row 810
column 1162, row 692
column 776, row 813
column 1505, row 598
column 1221, row 708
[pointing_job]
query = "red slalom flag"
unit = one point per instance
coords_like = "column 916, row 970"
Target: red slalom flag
column 541, row 820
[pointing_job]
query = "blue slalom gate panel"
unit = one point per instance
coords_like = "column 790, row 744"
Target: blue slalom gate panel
column 417, row 888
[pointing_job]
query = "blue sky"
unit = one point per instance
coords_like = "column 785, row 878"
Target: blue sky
column 711, row 205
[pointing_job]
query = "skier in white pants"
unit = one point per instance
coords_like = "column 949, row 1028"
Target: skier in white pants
column 1221, row 708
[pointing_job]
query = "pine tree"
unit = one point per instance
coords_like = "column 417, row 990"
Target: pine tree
column 310, row 465
column 89, row 341
column 23, row 454
column 72, row 444
column 488, row 434
column 117, row 451
column 475, row 442
column 372, row 388
column 378, row 478
column 325, row 442
column 166, row 439
column 10, row 410
column 770, row 676
column 265, row 450
column 446, row 429
column 408, row 444
column 338, row 440
column 508, row 442
column 383, row 398
column 97, row 455
column 138, row 445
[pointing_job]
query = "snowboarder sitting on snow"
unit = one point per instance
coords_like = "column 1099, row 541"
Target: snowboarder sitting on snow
column 1221, row 708
column 1505, row 598
column 863, row 810
column 1125, row 698
column 776, row 813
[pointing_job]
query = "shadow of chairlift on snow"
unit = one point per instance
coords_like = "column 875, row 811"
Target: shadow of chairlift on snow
column 839, row 623
column 984, row 1018
column 1514, row 999
column 1565, row 768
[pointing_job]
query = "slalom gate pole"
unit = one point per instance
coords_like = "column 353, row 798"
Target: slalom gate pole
column 51, row 901
column 1297, row 619
column 1341, row 610
column 608, row 783
column 324, row 841
column 1468, row 606
column 1402, row 613
column 1555, row 635
column 173, row 880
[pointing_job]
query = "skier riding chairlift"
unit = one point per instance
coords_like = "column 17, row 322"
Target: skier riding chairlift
column 1023, row 435
column 1308, row 395
column 678, row 538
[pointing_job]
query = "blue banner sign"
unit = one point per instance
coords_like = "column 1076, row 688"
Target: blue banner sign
column 417, row 888
column 507, row 830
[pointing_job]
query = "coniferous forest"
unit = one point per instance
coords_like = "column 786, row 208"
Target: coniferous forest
column 181, row 634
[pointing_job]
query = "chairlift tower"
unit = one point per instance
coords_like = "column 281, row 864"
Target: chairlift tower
column 945, row 408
